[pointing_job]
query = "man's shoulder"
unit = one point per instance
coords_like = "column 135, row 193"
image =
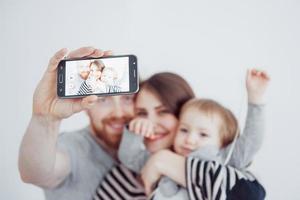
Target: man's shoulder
column 78, row 138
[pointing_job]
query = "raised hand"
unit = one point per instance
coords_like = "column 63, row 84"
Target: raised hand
column 256, row 84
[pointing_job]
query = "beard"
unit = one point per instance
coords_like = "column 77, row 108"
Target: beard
column 110, row 130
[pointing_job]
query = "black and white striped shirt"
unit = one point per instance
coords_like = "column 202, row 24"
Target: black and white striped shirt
column 85, row 89
column 206, row 180
column 120, row 184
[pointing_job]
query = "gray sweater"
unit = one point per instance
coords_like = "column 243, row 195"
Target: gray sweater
column 133, row 153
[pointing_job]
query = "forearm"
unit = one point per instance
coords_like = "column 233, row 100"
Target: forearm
column 38, row 149
column 131, row 152
column 173, row 166
column 251, row 140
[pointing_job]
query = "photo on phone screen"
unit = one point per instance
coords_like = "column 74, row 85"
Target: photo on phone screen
column 101, row 76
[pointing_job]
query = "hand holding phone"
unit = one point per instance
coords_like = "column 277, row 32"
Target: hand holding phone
column 46, row 103
column 105, row 76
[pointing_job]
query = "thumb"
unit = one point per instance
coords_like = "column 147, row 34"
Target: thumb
column 84, row 103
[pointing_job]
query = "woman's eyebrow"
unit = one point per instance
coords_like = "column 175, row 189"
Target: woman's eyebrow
column 160, row 107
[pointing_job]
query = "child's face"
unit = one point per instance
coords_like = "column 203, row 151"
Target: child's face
column 107, row 76
column 195, row 131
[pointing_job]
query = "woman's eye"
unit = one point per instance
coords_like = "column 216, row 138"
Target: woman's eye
column 183, row 130
column 141, row 114
column 162, row 112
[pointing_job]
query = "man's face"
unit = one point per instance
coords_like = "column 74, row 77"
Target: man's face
column 109, row 116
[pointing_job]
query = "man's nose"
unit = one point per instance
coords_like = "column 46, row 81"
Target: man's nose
column 118, row 109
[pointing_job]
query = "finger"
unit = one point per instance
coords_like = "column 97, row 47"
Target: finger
column 132, row 125
column 254, row 72
column 81, row 52
column 97, row 53
column 58, row 56
column 151, row 131
column 108, row 53
column 144, row 127
column 137, row 128
column 265, row 75
column 148, row 131
column 259, row 73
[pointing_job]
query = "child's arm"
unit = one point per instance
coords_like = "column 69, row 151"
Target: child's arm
column 132, row 151
column 163, row 163
column 250, row 141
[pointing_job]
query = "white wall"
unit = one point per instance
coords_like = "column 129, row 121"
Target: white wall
column 208, row 42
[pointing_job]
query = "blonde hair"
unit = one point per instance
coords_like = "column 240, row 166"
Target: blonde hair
column 228, row 127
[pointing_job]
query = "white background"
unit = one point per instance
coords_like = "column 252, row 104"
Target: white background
column 210, row 43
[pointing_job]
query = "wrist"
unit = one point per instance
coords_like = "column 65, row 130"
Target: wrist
column 255, row 100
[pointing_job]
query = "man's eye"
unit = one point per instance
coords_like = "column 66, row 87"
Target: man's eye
column 128, row 98
column 102, row 99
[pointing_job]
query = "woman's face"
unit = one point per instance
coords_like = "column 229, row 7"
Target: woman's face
column 95, row 71
column 165, row 122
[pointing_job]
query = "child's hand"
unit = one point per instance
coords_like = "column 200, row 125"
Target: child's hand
column 256, row 83
column 141, row 126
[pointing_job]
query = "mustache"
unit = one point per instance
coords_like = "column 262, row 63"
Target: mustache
column 124, row 120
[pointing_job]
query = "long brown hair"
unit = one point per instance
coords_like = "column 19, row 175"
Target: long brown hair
column 172, row 90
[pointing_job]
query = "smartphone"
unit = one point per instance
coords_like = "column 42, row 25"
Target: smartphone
column 105, row 76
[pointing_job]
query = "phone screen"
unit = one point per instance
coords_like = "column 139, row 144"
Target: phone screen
column 97, row 76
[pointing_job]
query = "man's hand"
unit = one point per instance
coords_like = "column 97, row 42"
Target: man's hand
column 256, row 83
column 45, row 100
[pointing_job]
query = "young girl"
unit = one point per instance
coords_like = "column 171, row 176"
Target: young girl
column 108, row 79
column 206, row 130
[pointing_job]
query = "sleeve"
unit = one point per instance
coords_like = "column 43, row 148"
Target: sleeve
column 167, row 187
column 120, row 183
column 248, row 143
column 132, row 151
column 69, row 146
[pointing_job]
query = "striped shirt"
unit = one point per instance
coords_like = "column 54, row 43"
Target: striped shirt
column 206, row 180
column 85, row 89
column 120, row 184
